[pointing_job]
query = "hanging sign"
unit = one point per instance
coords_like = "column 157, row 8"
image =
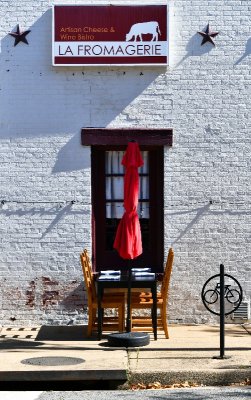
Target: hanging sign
column 110, row 35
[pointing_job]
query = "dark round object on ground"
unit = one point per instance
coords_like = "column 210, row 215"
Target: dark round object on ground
column 129, row 339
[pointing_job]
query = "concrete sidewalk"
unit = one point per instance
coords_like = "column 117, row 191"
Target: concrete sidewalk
column 63, row 353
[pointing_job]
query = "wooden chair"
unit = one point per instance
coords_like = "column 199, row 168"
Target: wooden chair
column 108, row 301
column 144, row 301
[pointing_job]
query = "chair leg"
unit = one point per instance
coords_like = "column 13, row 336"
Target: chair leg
column 164, row 321
column 91, row 320
column 121, row 317
column 130, row 319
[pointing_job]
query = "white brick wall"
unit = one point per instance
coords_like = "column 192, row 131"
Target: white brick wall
column 204, row 95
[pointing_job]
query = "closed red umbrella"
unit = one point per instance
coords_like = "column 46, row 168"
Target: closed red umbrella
column 128, row 241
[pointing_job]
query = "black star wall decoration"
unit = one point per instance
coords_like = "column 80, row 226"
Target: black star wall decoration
column 208, row 35
column 19, row 36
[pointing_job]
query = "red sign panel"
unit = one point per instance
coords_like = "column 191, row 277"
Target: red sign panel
column 110, row 35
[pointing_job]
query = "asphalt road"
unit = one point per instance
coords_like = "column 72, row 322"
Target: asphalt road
column 206, row 393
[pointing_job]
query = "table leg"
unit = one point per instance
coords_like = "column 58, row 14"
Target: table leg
column 100, row 313
column 154, row 310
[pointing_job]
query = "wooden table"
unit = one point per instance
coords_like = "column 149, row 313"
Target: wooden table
column 144, row 282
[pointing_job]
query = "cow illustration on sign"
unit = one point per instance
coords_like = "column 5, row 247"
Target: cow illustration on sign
column 144, row 28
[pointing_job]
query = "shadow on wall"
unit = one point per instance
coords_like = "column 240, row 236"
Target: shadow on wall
column 199, row 213
column 58, row 212
column 194, row 48
column 38, row 99
column 247, row 52
column 72, row 157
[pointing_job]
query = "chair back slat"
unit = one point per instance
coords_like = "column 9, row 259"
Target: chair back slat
column 167, row 274
column 88, row 277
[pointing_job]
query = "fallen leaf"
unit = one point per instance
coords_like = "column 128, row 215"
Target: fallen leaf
column 158, row 385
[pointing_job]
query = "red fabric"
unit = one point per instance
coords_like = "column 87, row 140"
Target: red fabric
column 128, row 241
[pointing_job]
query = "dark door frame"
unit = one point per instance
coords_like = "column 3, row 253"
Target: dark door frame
column 152, row 140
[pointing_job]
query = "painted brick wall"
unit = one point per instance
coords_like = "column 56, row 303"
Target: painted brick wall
column 204, row 95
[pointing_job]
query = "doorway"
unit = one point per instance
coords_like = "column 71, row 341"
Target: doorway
column 107, row 206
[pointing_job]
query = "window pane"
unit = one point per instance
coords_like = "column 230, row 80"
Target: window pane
column 114, row 210
column 113, row 162
column 144, row 187
column 143, row 209
column 114, row 187
column 145, row 168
